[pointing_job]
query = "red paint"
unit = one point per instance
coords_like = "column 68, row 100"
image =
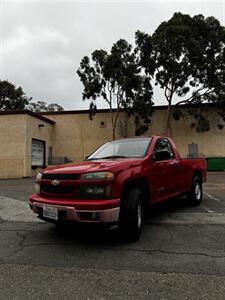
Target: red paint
column 166, row 179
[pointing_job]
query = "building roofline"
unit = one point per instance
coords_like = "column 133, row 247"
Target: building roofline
column 28, row 112
column 107, row 110
column 86, row 111
column 83, row 111
column 42, row 115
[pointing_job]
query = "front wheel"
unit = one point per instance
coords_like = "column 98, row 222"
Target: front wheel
column 130, row 221
column 195, row 194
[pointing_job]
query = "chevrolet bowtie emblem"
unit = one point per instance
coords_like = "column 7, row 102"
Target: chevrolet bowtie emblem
column 55, row 182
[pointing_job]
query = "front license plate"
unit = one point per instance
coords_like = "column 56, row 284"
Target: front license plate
column 50, row 212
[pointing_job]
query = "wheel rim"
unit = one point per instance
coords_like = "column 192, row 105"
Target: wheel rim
column 139, row 217
column 198, row 191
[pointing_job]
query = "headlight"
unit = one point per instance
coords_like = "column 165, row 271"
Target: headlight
column 37, row 188
column 95, row 191
column 98, row 176
column 39, row 176
column 37, row 185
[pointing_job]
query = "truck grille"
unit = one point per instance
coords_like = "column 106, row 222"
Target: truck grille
column 60, row 189
column 60, row 176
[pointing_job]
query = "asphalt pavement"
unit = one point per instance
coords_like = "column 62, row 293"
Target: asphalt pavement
column 180, row 254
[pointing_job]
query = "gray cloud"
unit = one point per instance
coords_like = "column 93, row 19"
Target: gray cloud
column 42, row 42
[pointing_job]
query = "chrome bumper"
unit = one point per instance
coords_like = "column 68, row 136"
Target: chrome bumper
column 86, row 216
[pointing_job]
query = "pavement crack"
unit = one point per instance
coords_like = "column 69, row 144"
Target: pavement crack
column 164, row 242
column 21, row 245
column 208, row 236
column 147, row 251
column 190, row 253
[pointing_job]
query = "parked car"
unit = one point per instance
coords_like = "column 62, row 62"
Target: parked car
column 117, row 184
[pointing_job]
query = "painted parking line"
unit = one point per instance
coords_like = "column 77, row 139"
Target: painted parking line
column 208, row 210
column 212, row 197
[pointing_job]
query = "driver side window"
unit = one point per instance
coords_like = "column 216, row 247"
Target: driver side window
column 163, row 150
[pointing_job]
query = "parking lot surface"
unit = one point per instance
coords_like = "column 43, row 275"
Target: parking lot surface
column 180, row 254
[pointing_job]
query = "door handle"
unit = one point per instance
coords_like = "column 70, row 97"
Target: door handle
column 174, row 164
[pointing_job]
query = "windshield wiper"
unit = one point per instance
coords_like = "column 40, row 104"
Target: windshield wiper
column 108, row 157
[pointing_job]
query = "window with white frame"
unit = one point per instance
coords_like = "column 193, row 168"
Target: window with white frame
column 38, row 153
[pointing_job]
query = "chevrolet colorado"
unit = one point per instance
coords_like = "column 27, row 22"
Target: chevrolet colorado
column 117, row 184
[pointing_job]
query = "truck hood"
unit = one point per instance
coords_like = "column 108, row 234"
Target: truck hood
column 114, row 165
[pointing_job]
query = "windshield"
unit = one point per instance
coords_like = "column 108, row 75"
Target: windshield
column 122, row 149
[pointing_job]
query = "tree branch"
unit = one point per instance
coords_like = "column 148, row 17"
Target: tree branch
column 192, row 98
column 170, row 95
column 106, row 99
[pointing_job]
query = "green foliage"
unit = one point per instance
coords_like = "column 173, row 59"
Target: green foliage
column 42, row 106
column 12, row 97
column 178, row 114
column 55, row 107
column 116, row 77
column 141, row 129
column 186, row 56
column 220, row 126
column 201, row 123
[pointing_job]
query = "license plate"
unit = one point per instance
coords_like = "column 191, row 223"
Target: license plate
column 50, row 212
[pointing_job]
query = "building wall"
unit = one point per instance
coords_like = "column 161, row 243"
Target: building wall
column 12, row 146
column 76, row 136
column 16, row 136
column 211, row 143
column 34, row 131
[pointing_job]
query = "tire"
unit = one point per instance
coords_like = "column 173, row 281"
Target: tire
column 195, row 194
column 130, row 220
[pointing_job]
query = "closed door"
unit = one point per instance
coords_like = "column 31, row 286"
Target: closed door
column 165, row 171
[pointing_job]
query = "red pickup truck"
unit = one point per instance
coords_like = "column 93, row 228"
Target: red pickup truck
column 118, row 183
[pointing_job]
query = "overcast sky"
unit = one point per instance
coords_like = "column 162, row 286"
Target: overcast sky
column 42, row 42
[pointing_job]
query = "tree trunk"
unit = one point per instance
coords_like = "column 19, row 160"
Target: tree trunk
column 168, row 129
column 113, row 134
column 112, row 123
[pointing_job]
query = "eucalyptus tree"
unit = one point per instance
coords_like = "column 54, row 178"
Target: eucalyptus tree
column 42, row 106
column 117, row 78
column 186, row 57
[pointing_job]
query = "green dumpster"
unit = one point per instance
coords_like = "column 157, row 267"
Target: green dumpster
column 215, row 163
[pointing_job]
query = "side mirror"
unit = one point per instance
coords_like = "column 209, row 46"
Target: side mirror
column 162, row 155
column 153, row 157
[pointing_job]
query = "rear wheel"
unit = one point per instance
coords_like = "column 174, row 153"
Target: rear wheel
column 195, row 194
column 130, row 221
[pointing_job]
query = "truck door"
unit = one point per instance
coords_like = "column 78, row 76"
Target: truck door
column 165, row 171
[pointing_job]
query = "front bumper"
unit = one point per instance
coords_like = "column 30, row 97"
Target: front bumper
column 72, row 213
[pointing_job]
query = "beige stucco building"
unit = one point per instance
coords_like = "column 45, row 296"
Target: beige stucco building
column 18, row 129
column 29, row 141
